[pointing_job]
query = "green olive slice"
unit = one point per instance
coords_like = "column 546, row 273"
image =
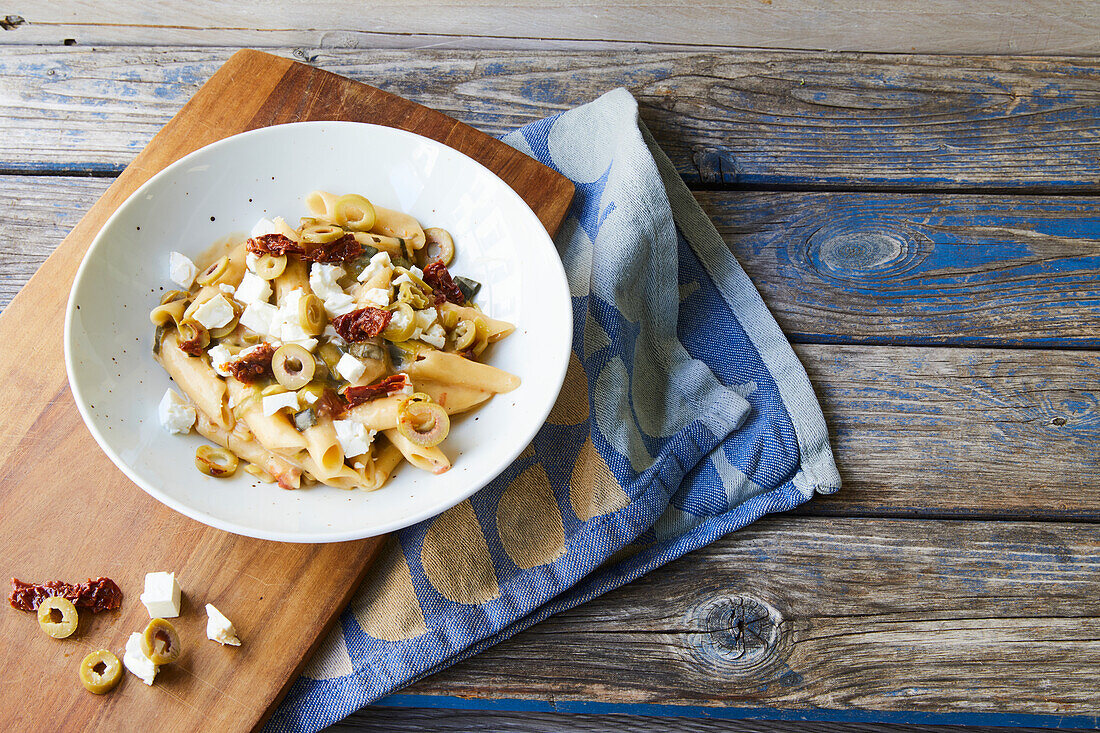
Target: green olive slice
column 215, row 461
column 100, row 671
column 439, row 245
column 57, row 617
column 161, row 642
column 270, row 267
column 424, row 423
column 193, row 332
column 162, row 314
column 210, row 275
column 354, row 212
column 400, row 330
column 321, row 233
column 172, row 296
column 311, row 314
column 330, row 355
column 465, row 333
column 293, row 366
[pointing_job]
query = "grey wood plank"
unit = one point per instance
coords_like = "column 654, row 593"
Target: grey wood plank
column 756, row 119
column 380, row 719
column 803, row 613
column 996, row 26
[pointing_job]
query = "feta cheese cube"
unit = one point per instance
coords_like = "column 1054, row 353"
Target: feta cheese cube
column 378, row 264
column 181, row 270
column 253, row 289
column 338, row 305
column 275, row 402
column 354, row 437
column 350, row 368
column 162, row 595
column 377, row 297
column 250, row 260
column 176, row 414
column 435, row 335
column 333, row 337
column 134, row 659
column 259, row 317
column 226, row 288
column 219, row 628
column 417, row 271
column 322, row 280
column 308, row 397
column 214, row 313
column 425, row 318
column 262, row 227
column 219, row 357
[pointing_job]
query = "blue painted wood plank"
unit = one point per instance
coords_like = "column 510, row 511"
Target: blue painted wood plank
column 918, row 269
column 753, row 119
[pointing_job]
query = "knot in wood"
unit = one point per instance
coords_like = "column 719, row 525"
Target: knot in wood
column 866, row 251
column 736, row 634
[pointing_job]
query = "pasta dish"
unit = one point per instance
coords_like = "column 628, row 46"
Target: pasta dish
column 331, row 352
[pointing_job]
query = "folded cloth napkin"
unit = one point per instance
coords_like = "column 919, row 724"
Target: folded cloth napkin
column 685, row 415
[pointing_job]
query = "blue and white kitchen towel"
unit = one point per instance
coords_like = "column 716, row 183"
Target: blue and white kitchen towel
column 685, row 415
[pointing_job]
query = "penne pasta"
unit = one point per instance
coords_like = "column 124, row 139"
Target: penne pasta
column 288, row 476
column 425, row 458
column 197, row 380
column 439, row 366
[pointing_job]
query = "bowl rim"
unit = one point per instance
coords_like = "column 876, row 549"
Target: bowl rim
column 203, row 517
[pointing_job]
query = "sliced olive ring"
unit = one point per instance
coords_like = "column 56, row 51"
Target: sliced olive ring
column 193, row 331
column 293, row 366
column 465, row 333
column 210, row 275
column 423, row 423
column 57, row 617
column 321, row 233
column 311, row 314
column 215, row 461
column 439, row 246
column 354, row 212
column 400, row 329
column 414, row 296
column 330, row 355
column 172, row 296
column 270, row 267
column 100, row 672
column 161, row 642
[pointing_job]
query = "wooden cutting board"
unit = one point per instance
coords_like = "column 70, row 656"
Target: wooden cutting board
column 67, row 513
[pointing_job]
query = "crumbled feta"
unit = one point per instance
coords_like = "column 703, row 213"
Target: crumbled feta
column 435, row 336
column 262, row 227
column 227, row 288
column 338, row 305
column 219, row 628
column 259, row 317
column 181, row 270
column 417, row 271
column 333, row 337
column 214, row 313
column 250, row 260
column 286, row 325
column 219, row 357
column 354, row 437
column 162, row 595
column 322, row 280
column 309, row 397
column 350, row 368
column 275, row 402
column 377, row 297
column 134, row 659
column 399, row 320
column 425, row 318
column 253, row 289
column 176, row 414
column 378, row 264
column 401, row 279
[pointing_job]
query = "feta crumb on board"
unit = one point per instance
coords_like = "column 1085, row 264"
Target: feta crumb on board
column 176, row 414
column 219, row 628
column 275, row 402
column 350, row 368
column 181, row 270
column 214, row 313
column 354, row 437
column 134, row 659
column 162, row 595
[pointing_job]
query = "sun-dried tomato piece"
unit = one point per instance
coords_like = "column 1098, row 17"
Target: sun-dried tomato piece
column 252, row 365
column 101, row 594
column 443, row 286
column 194, row 346
column 329, row 404
column 273, row 244
column 361, row 324
column 343, row 249
column 382, row 388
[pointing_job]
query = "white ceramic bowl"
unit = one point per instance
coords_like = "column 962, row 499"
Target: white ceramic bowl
column 226, row 187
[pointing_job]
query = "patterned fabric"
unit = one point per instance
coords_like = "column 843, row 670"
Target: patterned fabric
column 685, row 415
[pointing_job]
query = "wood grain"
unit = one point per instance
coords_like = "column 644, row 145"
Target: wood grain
column 891, row 269
column 805, row 613
column 997, row 26
column 69, row 514
column 754, row 119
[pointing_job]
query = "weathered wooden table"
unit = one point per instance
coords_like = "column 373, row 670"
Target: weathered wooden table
column 926, row 230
